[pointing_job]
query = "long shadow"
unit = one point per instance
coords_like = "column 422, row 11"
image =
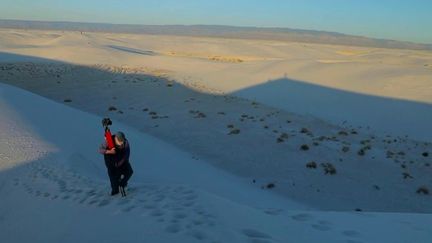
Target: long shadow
column 143, row 107
column 384, row 115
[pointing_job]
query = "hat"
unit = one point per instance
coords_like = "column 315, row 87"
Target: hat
column 120, row 136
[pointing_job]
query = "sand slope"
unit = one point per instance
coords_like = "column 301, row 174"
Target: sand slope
column 56, row 190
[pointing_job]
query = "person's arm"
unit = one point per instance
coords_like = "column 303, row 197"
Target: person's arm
column 103, row 149
column 125, row 156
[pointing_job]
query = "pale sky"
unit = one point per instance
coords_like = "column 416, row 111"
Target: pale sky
column 409, row 20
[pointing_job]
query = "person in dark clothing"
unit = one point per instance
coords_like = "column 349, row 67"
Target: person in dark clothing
column 117, row 162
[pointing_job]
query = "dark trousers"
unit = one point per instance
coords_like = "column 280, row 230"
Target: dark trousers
column 119, row 176
column 124, row 174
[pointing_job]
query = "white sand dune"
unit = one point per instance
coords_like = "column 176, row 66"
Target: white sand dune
column 232, row 65
column 54, row 189
column 232, row 116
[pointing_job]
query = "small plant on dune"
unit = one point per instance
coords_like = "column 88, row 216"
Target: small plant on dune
column 425, row 154
column 304, row 147
column 152, row 113
column 345, row 149
column 279, row 140
column 328, row 169
column 304, row 130
column 361, row 152
column 284, row 135
column 406, row 175
column 311, row 165
column 67, row 100
column 423, row 190
column 145, row 109
column 234, row 131
column 200, row 115
column 112, row 108
column 343, row 133
column 230, row 126
column 270, row 185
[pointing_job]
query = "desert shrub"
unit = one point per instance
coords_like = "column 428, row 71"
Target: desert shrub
column 343, row 133
column 67, row 100
column 304, row 130
column 284, row 135
column 270, row 185
column 406, row 175
column 311, row 165
column 112, row 108
column 361, row 152
column 345, row 149
column 423, row 190
column 328, row 168
column 200, row 115
column 304, row 147
column 425, row 154
column 234, row 131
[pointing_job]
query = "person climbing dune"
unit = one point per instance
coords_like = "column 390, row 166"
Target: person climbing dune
column 117, row 162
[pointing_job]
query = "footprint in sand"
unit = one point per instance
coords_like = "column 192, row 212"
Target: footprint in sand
column 351, row 233
column 255, row 234
column 302, row 217
column 321, row 227
column 173, row 228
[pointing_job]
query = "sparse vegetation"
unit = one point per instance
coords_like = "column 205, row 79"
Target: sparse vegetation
column 67, row 100
column 304, row 130
column 304, row 147
column 425, row 154
column 345, row 149
column 311, row 165
column 270, row 185
column 423, row 190
column 328, row 168
column 406, row 175
column 112, row 108
column 343, row 133
column 234, row 131
column 198, row 114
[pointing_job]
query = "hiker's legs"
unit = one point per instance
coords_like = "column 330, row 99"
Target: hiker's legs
column 114, row 178
column 126, row 171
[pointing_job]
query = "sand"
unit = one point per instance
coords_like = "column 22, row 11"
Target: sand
column 244, row 105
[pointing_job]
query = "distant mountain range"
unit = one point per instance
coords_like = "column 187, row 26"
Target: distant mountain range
column 280, row 34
